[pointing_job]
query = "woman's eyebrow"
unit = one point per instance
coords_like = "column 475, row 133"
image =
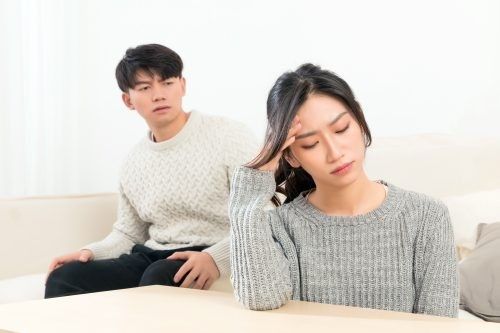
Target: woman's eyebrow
column 307, row 134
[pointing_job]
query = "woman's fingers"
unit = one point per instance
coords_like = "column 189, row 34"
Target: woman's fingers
column 287, row 144
column 292, row 132
column 294, row 129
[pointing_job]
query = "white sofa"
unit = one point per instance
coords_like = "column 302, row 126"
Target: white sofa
column 463, row 172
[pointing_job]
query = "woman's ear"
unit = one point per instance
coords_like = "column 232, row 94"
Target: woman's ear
column 288, row 155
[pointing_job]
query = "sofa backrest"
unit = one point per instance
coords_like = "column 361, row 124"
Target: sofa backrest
column 464, row 172
column 35, row 230
column 438, row 165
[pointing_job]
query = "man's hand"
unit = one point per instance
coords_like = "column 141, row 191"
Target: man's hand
column 82, row 255
column 201, row 267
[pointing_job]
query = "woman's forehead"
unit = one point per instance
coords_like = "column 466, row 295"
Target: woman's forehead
column 321, row 110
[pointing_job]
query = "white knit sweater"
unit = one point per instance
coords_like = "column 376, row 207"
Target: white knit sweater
column 175, row 193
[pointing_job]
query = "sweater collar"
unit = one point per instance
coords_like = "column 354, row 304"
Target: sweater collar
column 382, row 212
column 186, row 131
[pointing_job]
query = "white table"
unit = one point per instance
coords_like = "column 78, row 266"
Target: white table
column 168, row 309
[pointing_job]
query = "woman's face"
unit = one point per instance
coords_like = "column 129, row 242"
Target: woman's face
column 329, row 145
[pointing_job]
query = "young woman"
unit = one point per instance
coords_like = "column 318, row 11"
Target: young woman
column 339, row 237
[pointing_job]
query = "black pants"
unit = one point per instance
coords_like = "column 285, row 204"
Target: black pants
column 142, row 267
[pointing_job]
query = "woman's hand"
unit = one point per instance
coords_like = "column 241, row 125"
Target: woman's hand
column 274, row 163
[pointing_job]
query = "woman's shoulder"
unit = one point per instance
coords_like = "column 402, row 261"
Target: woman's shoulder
column 418, row 201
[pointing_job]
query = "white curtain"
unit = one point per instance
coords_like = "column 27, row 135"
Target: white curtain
column 38, row 94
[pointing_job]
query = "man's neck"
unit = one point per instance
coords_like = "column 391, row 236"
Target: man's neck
column 168, row 131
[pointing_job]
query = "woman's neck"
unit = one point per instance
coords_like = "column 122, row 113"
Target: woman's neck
column 356, row 198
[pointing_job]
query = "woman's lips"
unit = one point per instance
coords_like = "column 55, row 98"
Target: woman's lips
column 343, row 169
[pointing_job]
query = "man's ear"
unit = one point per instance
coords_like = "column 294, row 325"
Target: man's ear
column 288, row 155
column 126, row 101
column 183, row 85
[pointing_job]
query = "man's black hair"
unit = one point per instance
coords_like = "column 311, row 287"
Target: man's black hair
column 150, row 58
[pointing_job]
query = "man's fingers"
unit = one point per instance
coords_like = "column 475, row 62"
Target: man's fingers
column 57, row 262
column 208, row 284
column 188, row 281
column 182, row 271
column 200, row 281
column 185, row 255
column 53, row 265
column 180, row 255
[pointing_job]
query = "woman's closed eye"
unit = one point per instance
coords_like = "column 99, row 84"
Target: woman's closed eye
column 343, row 130
column 310, row 146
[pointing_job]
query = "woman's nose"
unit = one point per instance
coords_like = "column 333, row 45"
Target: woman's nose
column 333, row 152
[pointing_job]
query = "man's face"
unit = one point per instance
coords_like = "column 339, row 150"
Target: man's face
column 158, row 101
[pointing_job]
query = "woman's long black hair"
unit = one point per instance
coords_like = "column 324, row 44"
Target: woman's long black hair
column 287, row 95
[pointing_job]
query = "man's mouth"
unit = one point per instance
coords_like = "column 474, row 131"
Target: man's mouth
column 161, row 108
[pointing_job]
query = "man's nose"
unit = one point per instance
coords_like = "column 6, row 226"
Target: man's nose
column 158, row 94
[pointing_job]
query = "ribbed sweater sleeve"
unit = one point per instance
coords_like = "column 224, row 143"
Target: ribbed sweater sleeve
column 260, row 271
column 235, row 154
column 436, row 274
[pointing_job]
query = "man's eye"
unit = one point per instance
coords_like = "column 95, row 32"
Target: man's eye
column 143, row 88
column 310, row 146
column 168, row 83
column 343, row 130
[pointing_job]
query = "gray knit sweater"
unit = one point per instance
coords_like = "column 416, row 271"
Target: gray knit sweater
column 398, row 257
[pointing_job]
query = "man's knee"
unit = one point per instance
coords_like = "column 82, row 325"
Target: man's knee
column 64, row 280
column 161, row 272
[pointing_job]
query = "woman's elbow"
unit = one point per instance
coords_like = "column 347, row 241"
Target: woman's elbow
column 258, row 302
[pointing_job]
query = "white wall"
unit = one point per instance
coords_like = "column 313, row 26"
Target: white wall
column 415, row 66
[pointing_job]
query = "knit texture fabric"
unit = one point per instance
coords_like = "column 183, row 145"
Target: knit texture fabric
column 400, row 256
column 174, row 193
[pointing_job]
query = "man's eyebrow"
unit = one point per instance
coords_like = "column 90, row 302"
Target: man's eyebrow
column 142, row 82
column 307, row 134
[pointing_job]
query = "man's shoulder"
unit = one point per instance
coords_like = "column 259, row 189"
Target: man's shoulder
column 136, row 153
column 223, row 123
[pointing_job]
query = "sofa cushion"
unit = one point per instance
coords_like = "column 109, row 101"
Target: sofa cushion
column 23, row 288
column 480, row 274
column 466, row 211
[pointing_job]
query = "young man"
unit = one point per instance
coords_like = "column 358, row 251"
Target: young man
column 172, row 226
